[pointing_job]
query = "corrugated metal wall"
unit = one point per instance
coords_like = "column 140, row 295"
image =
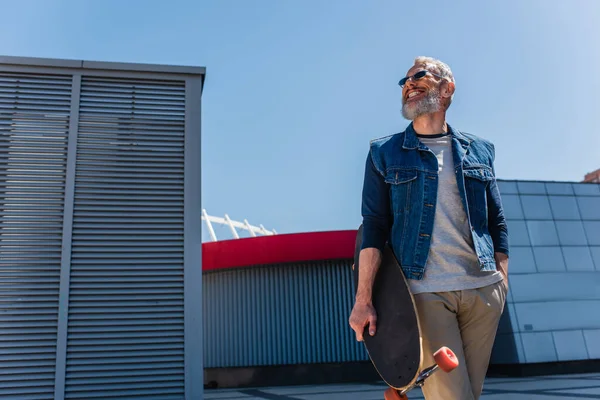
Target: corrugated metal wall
column 126, row 293
column 100, row 198
column 273, row 315
column 34, row 127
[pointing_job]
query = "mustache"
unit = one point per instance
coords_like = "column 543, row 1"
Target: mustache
column 430, row 103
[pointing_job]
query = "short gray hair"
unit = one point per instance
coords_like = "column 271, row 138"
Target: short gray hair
column 436, row 66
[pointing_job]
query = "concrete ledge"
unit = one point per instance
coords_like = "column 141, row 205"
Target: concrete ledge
column 363, row 372
column 287, row 375
column 540, row 369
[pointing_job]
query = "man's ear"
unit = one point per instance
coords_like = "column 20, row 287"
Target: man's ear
column 448, row 89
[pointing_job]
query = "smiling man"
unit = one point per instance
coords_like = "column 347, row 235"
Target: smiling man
column 431, row 192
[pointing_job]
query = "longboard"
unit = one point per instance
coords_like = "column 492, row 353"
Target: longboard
column 396, row 349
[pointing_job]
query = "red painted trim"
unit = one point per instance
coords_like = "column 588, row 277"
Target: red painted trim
column 277, row 249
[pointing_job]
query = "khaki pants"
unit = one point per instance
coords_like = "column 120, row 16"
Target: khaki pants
column 465, row 321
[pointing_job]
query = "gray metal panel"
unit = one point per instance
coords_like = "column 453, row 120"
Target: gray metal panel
column 273, row 315
column 63, row 311
column 126, row 315
column 171, row 69
column 34, row 125
column 101, row 65
column 194, row 372
column 40, row 62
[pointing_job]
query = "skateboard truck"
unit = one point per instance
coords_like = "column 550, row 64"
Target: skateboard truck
column 445, row 359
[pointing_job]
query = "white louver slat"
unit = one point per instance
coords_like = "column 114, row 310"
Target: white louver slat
column 34, row 124
column 126, row 316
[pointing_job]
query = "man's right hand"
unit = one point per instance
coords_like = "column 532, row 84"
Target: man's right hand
column 363, row 314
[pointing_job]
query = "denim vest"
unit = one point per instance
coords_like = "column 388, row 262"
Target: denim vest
column 400, row 193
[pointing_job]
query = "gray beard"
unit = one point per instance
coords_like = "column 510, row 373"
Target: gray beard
column 427, row 105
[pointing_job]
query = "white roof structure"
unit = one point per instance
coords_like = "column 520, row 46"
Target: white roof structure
column 233, row 226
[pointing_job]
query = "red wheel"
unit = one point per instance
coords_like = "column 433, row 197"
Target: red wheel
column 445, row 359
column 392, row 394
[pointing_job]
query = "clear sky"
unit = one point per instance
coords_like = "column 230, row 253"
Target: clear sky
column 296, row 88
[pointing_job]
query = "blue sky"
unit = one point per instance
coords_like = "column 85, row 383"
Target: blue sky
column 296, row 89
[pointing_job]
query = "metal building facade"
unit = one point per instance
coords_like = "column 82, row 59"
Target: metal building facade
column 554, row 300
column 280, row 315
column 99, row 233
column 264, row 318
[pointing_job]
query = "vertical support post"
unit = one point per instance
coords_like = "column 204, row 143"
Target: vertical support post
column 211, row 231
column 230, row 224
column 249, row 228
column 192, row 270
column 65, row 261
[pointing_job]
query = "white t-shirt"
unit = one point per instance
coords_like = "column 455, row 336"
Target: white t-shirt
column 452, row 262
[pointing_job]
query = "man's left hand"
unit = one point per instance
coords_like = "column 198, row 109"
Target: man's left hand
column 502, row 265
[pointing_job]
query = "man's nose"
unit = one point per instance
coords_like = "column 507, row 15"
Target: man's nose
column 410, row 82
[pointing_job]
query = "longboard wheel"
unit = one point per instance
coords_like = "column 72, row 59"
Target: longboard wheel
column 392, row 394
column 445, row 359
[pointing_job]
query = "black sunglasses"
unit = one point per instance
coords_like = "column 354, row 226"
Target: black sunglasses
column 416, row 77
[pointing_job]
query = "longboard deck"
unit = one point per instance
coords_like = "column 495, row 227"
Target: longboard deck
column 395, row 350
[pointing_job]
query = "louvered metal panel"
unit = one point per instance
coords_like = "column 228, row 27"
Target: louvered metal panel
column 34, row 125
column 274, row 315
column 126, row 315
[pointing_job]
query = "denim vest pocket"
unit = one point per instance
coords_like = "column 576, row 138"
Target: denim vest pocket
column 401, row 181
column 477, row 180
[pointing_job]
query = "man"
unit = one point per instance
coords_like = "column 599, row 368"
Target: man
column 431, row 192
